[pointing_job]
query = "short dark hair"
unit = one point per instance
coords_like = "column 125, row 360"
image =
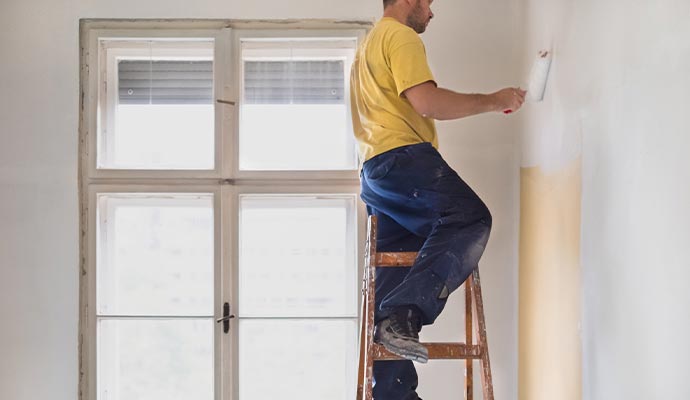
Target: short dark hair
column 387, row 3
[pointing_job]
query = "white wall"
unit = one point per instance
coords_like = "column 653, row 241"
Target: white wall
column 618, row 98
column 472, row 46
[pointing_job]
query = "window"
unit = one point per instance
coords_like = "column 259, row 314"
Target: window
column 157, row 106
column 218, row 172
column 154, row 295
column 302, row 85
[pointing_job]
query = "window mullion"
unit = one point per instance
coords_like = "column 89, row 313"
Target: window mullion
column 227, row 293
column 225, row 102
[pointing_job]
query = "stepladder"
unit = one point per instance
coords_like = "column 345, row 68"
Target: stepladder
column 474, row 348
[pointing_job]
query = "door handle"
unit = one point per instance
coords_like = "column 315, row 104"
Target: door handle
column 226, row 318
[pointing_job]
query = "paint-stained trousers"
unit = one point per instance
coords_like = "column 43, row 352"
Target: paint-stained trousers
column 422, row 205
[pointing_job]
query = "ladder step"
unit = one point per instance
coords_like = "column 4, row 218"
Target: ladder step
column 402, row 259
column 437, row 351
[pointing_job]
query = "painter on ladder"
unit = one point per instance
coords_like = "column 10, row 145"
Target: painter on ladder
column 421, row 203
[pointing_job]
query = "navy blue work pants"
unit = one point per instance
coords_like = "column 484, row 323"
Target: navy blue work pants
column 422, row 205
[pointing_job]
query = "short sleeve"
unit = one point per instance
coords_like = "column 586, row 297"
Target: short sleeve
column 408, row 62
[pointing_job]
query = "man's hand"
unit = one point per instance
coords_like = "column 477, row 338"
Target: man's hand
column 508, row 100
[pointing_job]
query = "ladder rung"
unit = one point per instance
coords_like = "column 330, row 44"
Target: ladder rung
column 400, row 259
column 437, row 351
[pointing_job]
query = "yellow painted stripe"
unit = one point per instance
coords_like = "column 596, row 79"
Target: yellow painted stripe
column 549, row 342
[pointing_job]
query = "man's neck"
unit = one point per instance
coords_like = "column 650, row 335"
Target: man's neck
column 395, row 13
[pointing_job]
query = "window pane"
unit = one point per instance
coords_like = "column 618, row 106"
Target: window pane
column 297, row 256
column 159, row 111
column 306, row 360
column 163, row 136
column 155, row 359
column 294, row 111
column 155, row 254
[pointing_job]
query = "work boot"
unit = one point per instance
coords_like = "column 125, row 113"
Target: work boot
column 399, row 334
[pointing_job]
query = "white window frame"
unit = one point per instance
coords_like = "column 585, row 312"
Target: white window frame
column 89, row 347
column 226, row 182
column 274, row 45
column 97, row 101
column 110, row 51
column 337, row 40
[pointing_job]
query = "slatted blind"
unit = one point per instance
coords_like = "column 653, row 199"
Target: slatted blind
column 294, row 82
column 266, row 82
column 165, row 82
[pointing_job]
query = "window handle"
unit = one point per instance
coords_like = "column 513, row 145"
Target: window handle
column 232, row 103
column 226, row 318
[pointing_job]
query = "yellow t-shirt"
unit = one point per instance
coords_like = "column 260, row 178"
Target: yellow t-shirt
column 390, row 60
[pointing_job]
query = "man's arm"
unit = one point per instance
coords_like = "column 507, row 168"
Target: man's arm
column 442, row 104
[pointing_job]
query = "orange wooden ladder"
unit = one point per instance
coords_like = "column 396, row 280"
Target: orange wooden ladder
column 370, row 351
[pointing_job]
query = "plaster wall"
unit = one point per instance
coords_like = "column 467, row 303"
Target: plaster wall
column 616, row 106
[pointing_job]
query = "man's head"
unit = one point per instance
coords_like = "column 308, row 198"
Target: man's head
column 415, row 13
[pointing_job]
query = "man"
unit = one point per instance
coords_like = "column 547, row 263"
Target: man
column 421, row 203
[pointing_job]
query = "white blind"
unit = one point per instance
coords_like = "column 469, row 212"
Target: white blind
column 294, row 82
column 165, row 82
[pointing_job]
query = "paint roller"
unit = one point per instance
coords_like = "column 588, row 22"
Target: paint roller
column 536, row 86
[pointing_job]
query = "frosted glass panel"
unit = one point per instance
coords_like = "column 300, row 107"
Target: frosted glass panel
column 305, row 360
column 155, row 254
column 296, row 137
column 163, row 136
column 297, row 257
column 161, row 359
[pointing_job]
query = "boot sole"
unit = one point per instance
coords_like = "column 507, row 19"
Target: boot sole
column 406, row 353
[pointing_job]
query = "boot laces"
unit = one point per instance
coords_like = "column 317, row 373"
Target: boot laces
column 405, row 323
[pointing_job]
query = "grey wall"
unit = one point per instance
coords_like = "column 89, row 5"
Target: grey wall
column 472, row 46
column 618, row 98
